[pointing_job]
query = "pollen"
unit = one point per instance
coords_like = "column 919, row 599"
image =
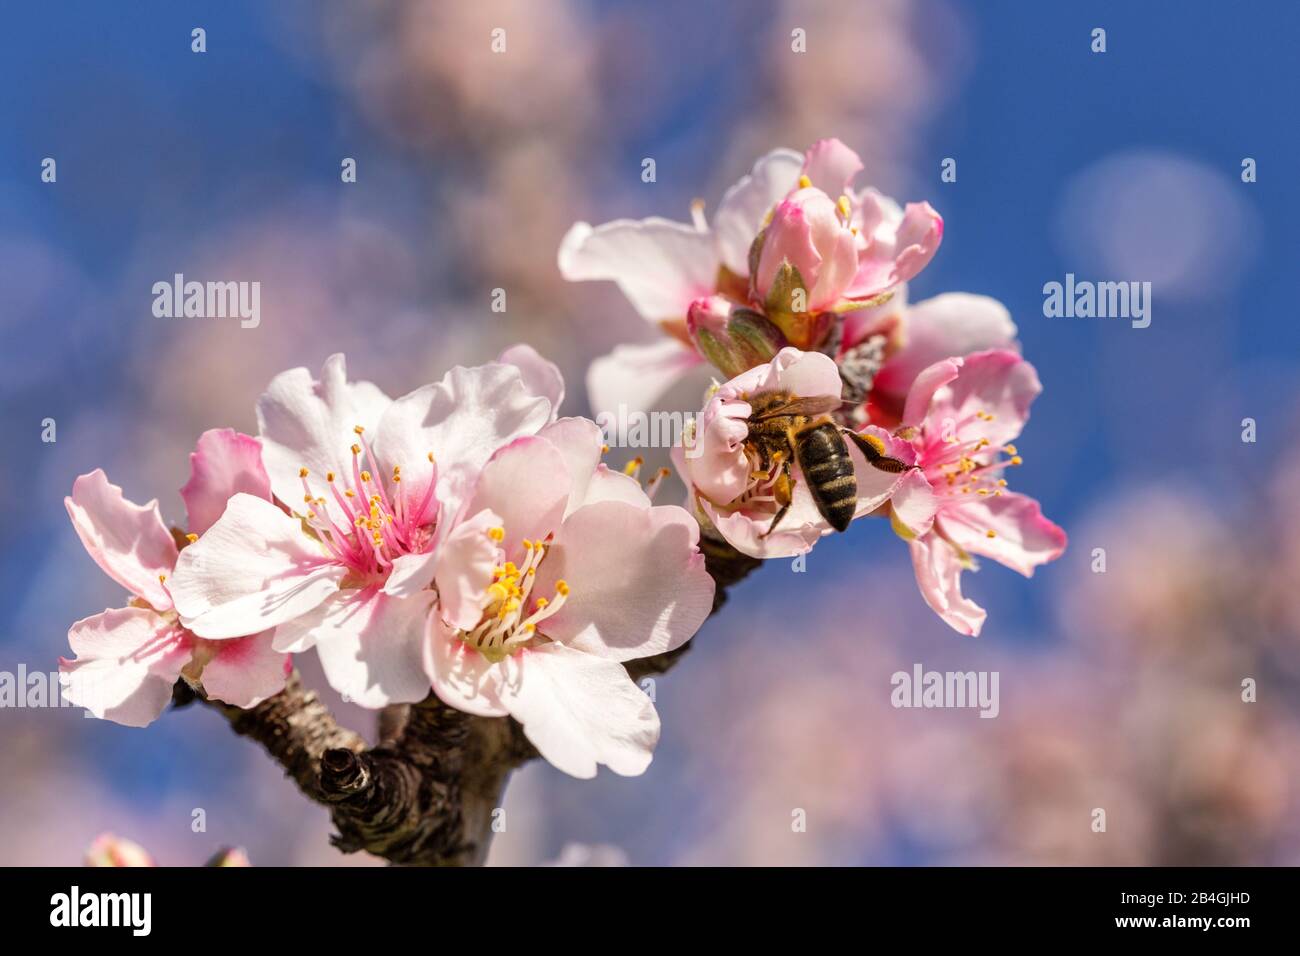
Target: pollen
column 303, row 472
column 358, row 429
column 162, row 579
column 562, row 587
column 990, row 533
column 356, row 449
column 191, row 537
column 497, row 534
column 804, row 182
column 1016, row 460
column 365, row 476
column 1009, row 449
column 329, row 476
column 843, row 206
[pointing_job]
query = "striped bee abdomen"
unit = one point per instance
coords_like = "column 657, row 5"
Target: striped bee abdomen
column 824, row 459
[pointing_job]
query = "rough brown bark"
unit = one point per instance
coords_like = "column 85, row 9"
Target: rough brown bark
column 426, row 794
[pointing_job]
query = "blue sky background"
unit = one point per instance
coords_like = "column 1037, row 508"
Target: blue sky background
column 157, row 146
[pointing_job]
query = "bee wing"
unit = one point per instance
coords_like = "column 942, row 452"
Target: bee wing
column 800, row 406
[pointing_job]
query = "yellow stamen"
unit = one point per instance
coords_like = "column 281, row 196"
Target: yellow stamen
column 991, row 533
column 562, row 587
column 303, row 472
column 358, row 429
column 191, row 537
column 804, row 182
column 497, row 534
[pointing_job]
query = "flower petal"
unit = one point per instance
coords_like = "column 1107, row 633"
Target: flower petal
column 913, row 505
column 541, row 377
column 1022, row 537
column 744, row 206
column 581, row 444
column 127, row 661
column 952, row 324
column 309, row 424
column 245, row 671
column 371, row 646
column 223, row 464
column 527, row 484
column 831, row 166
column 637, row 581
column 464, row 569
column 660, row 265
column 631, row 379
column 461, row 676
column 128, row 541
column 938, row 569
column 921, row 396
column 581, row 711
column 998, row 383
column 252, row 570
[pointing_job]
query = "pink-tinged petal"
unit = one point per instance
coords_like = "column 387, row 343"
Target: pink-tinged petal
column 410, row 574
column 527, row 485
column 461, row 676
column 581, row 711
column 746, row 204
column 580, row 442
column 254, row 569
column 831, row 166
column 637, row 581
column 952, row 324
column 661, row 266
column 750, row 531
column 371, row 647
column 807, row 374
column 913, row 505
column 245, row 671
column 127, row 661
column 917, row 240
column 631, row 379
column 921, row 396
column 128, row 541
column 223, row 464
column 997, row 383
column 464, row 568
column 1022, row 537
column 461, row 421
column 305, row 423
column 609, row 485
column 712, row 456
column 541, row 377
column 895, row 244
column 938, row 569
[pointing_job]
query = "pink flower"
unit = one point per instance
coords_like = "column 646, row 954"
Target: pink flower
column 844, row 243
column 729, row 483
column 129, row 658
column 348, row 570
column 558, row 571
column 963, row 414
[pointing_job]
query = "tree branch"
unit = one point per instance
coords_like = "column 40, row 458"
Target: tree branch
column 427, row 793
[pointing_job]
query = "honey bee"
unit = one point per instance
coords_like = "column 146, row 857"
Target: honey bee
column 784, row 428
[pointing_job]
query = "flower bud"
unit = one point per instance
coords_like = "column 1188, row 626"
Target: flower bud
column 732, row 338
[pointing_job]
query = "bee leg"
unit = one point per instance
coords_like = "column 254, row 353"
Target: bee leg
column 873, row 451
column 784, row 491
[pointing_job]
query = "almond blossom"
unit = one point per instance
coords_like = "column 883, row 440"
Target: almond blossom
column 962, row 415
column 794, row 222
column 346, row 569
column 557, row 572
column 732, row 490
column 128, row 658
